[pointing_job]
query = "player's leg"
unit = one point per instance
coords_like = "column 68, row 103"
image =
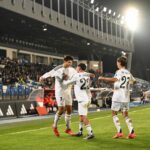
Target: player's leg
column 115, row 108
column 61, row 109
column 83, row 110
column 58, row 115
column 68, row 108
column 56, row 120
column 88, row 128
column 81, row 125
column 128, row 122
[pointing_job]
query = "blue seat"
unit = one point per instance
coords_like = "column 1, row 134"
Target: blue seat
column 27, row 90
column 8, row 91
column 13, row 91
column 1, row 89
column 21, row 91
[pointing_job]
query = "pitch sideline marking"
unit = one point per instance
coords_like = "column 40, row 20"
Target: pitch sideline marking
column 33, row 130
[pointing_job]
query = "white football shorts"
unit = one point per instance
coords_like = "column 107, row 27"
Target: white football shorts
column 120, row 106
column 83, row 107
column 63, row 98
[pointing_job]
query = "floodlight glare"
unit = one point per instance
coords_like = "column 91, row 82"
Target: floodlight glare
column 92, row 1
column 114, row 13
column 104, row 9
column 122, row 17
column 119, row 16
column 131, row 18
column 109, row 11
column 97, row 9
column 123, row 53
column 122, row 21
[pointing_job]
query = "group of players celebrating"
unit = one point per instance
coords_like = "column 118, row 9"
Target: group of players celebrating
column 66, row 76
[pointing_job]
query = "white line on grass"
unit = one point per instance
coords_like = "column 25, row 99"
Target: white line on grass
column 33, row 130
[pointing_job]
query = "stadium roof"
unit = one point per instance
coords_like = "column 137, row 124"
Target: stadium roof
column 20, row 31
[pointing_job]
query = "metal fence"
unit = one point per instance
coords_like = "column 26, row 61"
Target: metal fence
column 10, row 92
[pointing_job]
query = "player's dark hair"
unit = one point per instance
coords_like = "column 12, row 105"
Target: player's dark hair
column 82, row 66
column 123, row 61
column 68, row 58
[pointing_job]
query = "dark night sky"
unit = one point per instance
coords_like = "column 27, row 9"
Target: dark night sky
column 141, row 56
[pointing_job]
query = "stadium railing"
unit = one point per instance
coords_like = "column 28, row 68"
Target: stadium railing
column 13, row 92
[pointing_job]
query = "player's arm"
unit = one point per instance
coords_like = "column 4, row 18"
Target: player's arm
column 73, row 72
column 133, row 80
column 117, row 77
column 92, row 75
column 70, row 82
column 46, row 75
column 52, row 73
column 108, row 79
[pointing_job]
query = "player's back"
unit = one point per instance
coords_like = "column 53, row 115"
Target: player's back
column 82, row 87
column 122, row 86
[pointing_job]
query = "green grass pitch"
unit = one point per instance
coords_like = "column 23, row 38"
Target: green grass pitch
column 37, row 135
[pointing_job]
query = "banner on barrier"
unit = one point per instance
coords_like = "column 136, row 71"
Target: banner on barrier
column 7, row 109
column 26, row 108
column 15, row 109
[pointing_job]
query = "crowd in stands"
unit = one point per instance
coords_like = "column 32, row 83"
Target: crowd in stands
column 19, row 76
column 20, row 71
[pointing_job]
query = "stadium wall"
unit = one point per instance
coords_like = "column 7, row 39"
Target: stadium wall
column 32, row 56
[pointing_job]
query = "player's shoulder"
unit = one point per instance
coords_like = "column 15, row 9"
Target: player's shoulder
column 127, row 71
column 117, row 71
column 78, row 75
column 87, row 74
column 58, row 67
column 71, row 68
column 83, row 74
column 123, row 71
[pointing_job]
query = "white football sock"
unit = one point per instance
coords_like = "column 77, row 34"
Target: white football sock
column 81, row 127
column 68, row 120
column 117, row 123
column 56, row 119
column 129, row 124
column 89, row 129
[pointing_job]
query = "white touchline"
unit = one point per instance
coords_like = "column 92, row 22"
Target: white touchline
column 44, row 128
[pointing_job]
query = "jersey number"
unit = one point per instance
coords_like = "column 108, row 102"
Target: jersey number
column 84, row 85
column 125, row 82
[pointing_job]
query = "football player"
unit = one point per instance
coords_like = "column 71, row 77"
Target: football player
column 81, row 80
column 63, row 95
column 121, row 96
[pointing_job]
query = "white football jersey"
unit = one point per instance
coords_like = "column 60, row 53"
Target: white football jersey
column 122, row 86
column 82, row 86
column 58, row 73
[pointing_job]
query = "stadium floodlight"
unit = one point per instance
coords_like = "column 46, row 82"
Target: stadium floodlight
column 123, row 53
column 97, row 9
column 132, row 19
column 122, row 20
column 92, row 1
column 122, row 17
column 44, row 29
column 119, row 16
column 104, row 9
column 95, row 65
column 109, row 12
column 114, row 14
